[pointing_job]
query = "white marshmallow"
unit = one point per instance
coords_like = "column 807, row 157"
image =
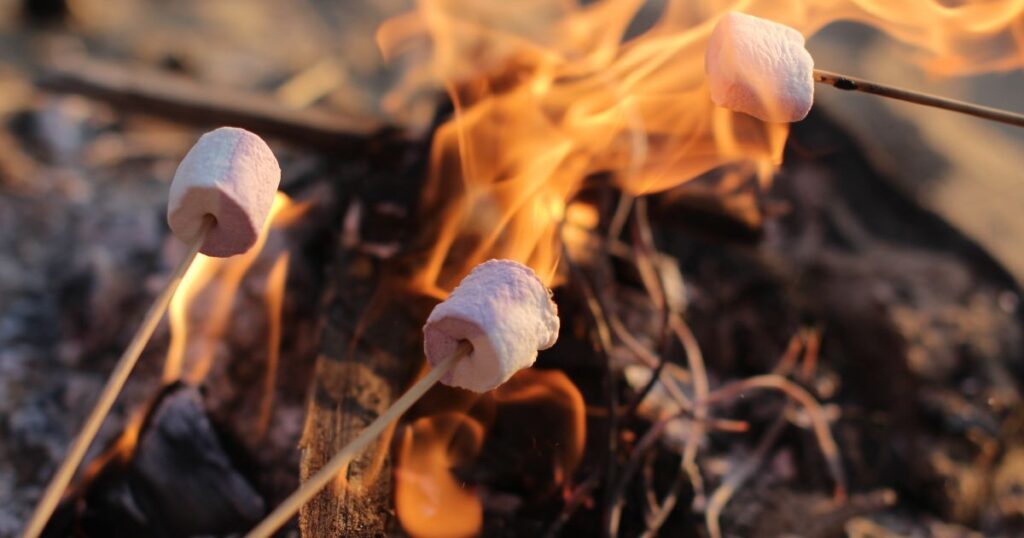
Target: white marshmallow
column 232, row 175
column 505, row 312
column 761, row 68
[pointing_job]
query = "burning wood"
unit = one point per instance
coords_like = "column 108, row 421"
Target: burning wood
column 506, row 315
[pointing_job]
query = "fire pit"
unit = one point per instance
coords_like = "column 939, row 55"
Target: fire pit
column 763, row 331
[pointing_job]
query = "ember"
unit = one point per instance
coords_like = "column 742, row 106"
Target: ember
column 769, row 321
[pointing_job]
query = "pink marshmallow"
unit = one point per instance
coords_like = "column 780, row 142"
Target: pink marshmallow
column 760, row 67
column 505, row 312
column 232, row 175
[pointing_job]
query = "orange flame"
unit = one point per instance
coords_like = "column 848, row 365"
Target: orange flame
column 560, row 397
column 221, row 277
column 275, row 300
column 548, row 93
column 430, row 501
column 227, row 274
column 121, row 450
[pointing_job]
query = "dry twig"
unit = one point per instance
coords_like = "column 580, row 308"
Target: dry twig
column 182, row 99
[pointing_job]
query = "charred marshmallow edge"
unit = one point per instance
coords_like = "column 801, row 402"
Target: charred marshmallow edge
column 761, row 68
column 231, row 175
column 505, row 312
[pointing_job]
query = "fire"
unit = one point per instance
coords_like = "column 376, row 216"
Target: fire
column 547, row 94
column 540, row 404
column 274, row 299
column 554, row 394
column 120, row 450
column 430, row 500
column 221, row 276
column 214, row 282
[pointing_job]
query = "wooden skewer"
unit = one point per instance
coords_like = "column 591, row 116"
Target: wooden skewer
column 117, row 379
column 341, row 459
column 844, row 82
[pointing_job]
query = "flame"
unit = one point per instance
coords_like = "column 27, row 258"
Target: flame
column 559, row 397
column 275, row 301
column 547, row 94
column 431, row 501
column 120, row 450
column 221, row 278
column 578, row 231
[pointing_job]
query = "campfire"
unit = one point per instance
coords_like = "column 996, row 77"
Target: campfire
column 602, row 268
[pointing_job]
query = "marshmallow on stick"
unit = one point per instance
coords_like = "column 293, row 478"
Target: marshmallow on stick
column 219, row 200
column 231, row 175
column 490, row 327
column 760, row 67
column 505, row 312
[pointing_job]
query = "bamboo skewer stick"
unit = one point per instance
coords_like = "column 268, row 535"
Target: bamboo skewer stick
column 341, row 459
column 844, row 82
column 118, row 377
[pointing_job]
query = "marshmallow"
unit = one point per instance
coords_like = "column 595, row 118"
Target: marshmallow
column 761, row 68
column 505, row 312
column 232, row 175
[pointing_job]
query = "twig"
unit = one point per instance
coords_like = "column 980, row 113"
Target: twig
column 811, row 352
column 645, row 252
column 700, row 388
column 659, row 516
column 732, row 482
column 688, row 464
column 575, row 500
column 618, row 221
column 813, row 408
column 643, row 244
column 695, row 361
column 790, row 355
column 650, row 495
column 668, row 380
column 738, row 476
column 182, row 99
column 845, row 82
column 603, row 344
column 642, row 446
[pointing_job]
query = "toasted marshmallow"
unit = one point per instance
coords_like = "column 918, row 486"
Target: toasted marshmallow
column 761, row 68
column 505, row 312
column 231, row 175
